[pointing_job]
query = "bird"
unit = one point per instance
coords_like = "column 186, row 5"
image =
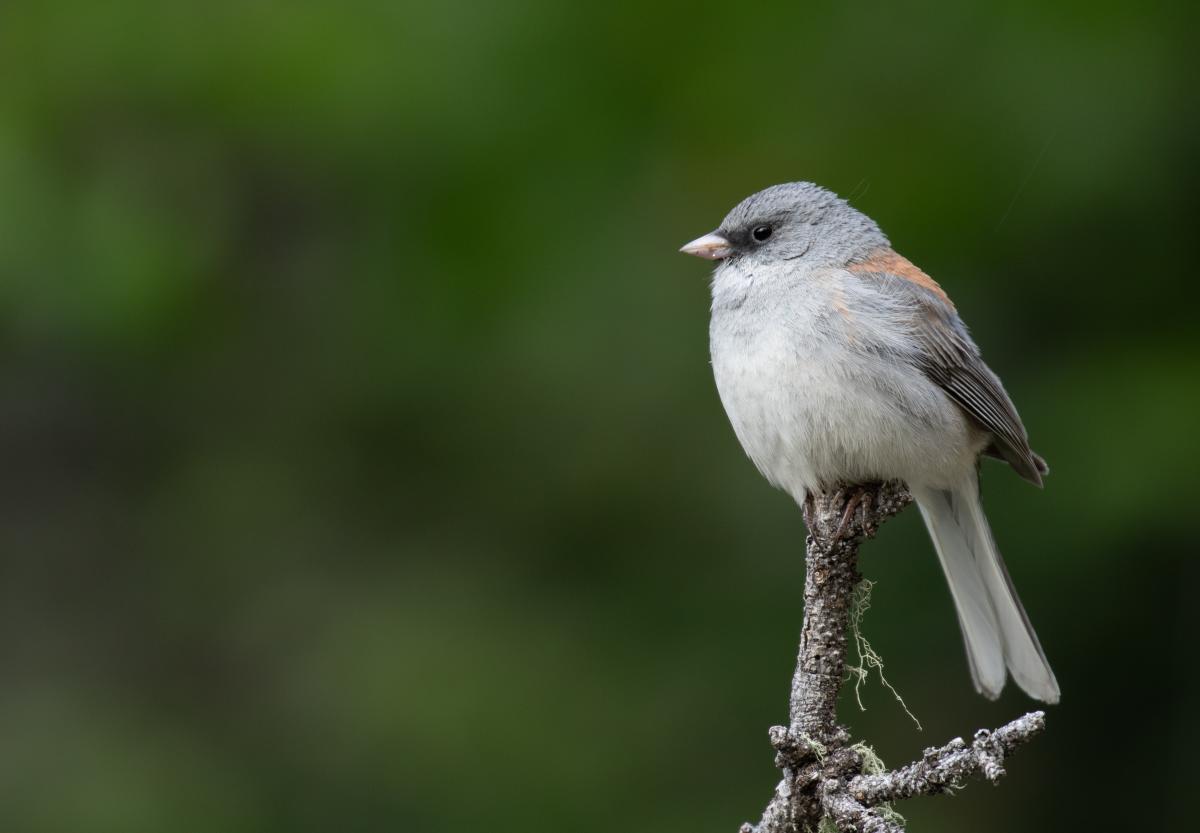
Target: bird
column 840, row 362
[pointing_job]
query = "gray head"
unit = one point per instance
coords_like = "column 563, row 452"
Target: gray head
column 792, row 221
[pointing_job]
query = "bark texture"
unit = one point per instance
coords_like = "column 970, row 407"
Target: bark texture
column 823, row 772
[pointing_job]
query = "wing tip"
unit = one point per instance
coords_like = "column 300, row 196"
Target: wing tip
column 1039, row 462
column 1036, row 470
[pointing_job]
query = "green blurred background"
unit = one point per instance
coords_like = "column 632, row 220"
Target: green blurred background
column 362, row 466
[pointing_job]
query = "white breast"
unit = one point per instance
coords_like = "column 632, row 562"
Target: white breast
column 808, row 368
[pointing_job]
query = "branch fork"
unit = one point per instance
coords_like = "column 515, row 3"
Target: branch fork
column 823, row 772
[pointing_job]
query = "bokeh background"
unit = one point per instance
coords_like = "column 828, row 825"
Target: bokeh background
column 361, row 464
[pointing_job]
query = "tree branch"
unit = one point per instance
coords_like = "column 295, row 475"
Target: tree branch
column 823, row 774
column 942, row 770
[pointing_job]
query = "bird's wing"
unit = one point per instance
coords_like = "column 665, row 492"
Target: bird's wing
column 948, row 356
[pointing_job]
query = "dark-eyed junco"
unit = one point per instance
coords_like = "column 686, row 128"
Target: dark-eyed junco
column 840, row 362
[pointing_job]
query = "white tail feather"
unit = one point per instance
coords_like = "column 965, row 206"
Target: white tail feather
column 995, row 628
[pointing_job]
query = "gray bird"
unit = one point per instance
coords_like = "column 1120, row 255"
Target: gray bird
column 840, row 362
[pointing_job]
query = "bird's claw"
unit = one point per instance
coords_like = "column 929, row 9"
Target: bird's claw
column 861, row 499
column 809, row 508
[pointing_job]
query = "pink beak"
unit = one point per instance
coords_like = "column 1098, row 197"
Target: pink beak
column 710, row 247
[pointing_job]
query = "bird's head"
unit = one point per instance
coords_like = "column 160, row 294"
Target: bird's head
column 794, row 221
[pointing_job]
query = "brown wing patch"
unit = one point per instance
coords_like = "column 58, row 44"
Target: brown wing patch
column 892, row 262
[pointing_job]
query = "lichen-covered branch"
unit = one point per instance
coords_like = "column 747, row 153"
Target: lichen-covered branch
column 823, row 773
column 946, row 768
column 850, row 814
column 831, row 573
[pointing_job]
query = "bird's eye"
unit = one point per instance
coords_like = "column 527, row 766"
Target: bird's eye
column 761, row 233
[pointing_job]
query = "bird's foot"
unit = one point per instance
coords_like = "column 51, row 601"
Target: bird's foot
column 858, row 499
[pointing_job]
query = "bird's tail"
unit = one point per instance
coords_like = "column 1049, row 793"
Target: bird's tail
column 995, row 628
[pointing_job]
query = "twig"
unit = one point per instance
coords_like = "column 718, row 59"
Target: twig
column 942, row 770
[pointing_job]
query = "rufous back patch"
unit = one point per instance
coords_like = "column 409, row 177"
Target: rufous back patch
column 894, row 263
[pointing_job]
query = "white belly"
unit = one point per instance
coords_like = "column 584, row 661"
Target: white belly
column 812, row 412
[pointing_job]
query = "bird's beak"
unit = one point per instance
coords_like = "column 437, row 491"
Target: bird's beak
column 710, row 247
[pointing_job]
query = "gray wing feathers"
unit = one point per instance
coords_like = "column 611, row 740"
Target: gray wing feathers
column 951, row 360
column 996, row 631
